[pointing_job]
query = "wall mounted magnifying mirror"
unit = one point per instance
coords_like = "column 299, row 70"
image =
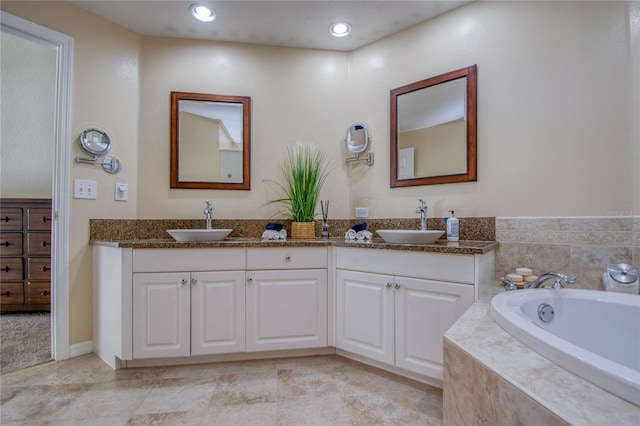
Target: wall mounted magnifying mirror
column 97, row 142
column 433, row 130
column 357, row 141
column 210, row 141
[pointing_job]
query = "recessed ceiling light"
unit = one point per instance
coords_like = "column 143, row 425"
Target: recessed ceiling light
column 202, row 13
column 340, row 29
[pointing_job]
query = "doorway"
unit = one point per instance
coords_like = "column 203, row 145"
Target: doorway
column 62, row 46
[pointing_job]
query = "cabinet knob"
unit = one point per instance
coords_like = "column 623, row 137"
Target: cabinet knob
column 44, row 219
column 6, row 293
column 287, row 258
column 249, row 280
column 43, row 243
column 194, row 281
column 6, row 218
column 389, row 285
column 44, row 293
column 6, row 244
column 183, row 282
column 397, row 286
column 44, row 268
column 6, row 269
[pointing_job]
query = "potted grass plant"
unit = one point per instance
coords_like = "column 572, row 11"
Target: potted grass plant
column 304, row 172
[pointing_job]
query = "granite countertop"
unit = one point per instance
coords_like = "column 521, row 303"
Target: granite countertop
column 568, row 396
column 441, row 246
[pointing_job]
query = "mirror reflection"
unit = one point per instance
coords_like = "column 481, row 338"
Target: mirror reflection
column 210, row 141
column 433, row 130
column 357, row 138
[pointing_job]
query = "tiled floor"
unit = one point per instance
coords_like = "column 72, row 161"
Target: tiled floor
column 321, row 390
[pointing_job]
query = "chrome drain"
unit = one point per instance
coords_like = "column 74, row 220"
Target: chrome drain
column 545, row 312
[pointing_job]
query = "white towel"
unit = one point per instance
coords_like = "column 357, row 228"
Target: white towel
column 282, row 234
column 350, row 235
column 359, row 236
column 367, row 235
column 270, row 234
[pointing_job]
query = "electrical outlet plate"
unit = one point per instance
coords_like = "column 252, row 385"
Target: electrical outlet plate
column 362, row 212
column 87, row 189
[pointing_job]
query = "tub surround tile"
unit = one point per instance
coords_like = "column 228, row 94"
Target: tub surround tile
column 475, row 395
column 580, row 246
column 491, row 378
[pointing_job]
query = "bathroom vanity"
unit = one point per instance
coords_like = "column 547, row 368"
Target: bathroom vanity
column 387, row 305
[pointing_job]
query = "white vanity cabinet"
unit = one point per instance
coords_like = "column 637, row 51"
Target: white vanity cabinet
column 182, row 314
column 393, row 307
column 188, row 313
column 286, row 297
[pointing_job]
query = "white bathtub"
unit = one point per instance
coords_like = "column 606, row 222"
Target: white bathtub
column 594, row 334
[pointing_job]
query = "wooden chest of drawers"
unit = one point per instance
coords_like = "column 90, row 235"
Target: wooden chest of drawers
column 25, row 254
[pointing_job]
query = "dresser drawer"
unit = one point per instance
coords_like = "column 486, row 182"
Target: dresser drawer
column 39, row 293
column 11, row 244
column 11, row 219
column 39, row 269
column 11, row 269
column 39, row 244
column 287, row 258
column 11, row 294
column 39, row 219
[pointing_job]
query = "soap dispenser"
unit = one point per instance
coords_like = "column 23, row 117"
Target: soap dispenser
column 453, row 227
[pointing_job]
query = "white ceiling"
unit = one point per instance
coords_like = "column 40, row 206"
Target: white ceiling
column 300, row 23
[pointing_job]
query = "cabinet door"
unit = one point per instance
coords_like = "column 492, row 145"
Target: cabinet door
column 286, row 309
column 161, row 315
column 424, row 311
column 217, row 312
column 365, row 317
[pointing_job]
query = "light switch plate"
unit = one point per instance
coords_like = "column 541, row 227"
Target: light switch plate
column 87, row 189
column 122, row 191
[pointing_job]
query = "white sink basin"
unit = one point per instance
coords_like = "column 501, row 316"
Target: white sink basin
column 199, row 234
column 409, row 236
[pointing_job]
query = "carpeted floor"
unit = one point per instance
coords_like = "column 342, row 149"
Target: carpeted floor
column 25, row 340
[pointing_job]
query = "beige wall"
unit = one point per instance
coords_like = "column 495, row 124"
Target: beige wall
column 27, row 73
column 105, row 95
column 555, row 114
column 296, row 95
column 554, row 103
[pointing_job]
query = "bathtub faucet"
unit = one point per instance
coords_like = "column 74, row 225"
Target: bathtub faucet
column 559, row 277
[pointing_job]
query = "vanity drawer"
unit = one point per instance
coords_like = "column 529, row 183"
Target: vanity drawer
column 39, row 269
column 39, row 293
column 39, row 219
column 188, row 260
column 39, row 243
column 11, row 269
column 287, row 258
column 11, row 244
column 11, row 219
column 11, row 294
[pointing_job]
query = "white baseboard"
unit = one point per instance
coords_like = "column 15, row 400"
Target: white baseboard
column 80, row 349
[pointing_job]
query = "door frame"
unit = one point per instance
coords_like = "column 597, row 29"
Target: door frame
column 63, row 45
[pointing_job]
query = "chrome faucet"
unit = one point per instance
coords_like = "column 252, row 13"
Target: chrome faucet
column 422, row 209
column 559, row 277
column 207, row 213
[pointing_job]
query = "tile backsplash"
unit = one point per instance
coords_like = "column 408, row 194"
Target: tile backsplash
column 580, row 246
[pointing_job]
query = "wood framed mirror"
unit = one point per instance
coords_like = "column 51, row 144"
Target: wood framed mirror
column 210, row 141
column 433, row 130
